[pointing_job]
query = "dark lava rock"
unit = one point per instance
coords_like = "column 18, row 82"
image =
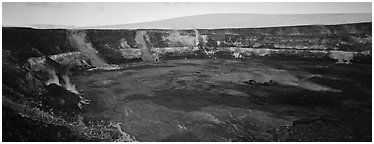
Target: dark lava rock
column 18, row 129
column 329, row 129
column 253, row 82
column 60, row 99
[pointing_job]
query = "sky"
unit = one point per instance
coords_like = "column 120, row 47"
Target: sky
column 96, row 14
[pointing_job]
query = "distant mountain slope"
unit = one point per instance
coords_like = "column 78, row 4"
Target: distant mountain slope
column 51, row 26
column 214, row 21
column 44, row 26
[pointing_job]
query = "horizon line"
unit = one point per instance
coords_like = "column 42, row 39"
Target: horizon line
column 20, row 25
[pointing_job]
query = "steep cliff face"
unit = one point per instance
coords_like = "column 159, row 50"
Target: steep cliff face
column 120, row 46
column 79, row 41
column 143, row 43
column 26, row 42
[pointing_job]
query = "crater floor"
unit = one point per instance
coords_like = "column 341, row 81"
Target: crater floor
column 252, row 99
